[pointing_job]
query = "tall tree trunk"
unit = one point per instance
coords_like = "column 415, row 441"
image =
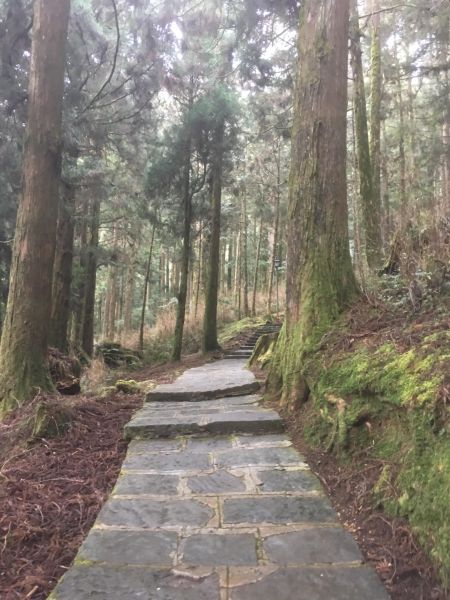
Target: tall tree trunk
column 386, row 220
column 109, row 318
column 187, row 205
column 87, row 336
column 359, row 238
column 444, row 44
column 230, row 266
column 370, row 201
column 146, row 286
column 244, row 266
column 23, row 349
column 320, row 279
column 376, row 83
column 275, row 232
column 62, row 271
column 81, row 235
column 129, row 287
column 210, row 341
column 200, row 270
column 401, row 142
column 237, row 259
column 255, row 279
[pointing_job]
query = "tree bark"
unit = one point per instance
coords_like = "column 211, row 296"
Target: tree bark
column 23, row 349
column 320, row 279
column 62, row 271
column 87, row 334
column 275, row 232
column 370, row 201
column 258, row 256
column 245, row 307
column 187, row 222
column 146, row 286
column 230, row 266
column 210, row 341
column 200, row 270
column 109, row 315
column 376, row 83
column 129, row 287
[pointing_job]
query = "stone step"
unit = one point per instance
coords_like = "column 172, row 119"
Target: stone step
column 237, row 515
column 241, row 414
column 213, row 380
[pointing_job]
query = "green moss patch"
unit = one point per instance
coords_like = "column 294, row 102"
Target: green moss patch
column 387, row 399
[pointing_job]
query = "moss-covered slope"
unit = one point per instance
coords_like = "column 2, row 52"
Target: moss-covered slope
column 380, row 383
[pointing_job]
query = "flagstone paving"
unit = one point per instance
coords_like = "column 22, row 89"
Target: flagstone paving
column 229, row 513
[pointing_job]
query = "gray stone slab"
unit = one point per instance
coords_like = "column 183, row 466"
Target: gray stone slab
column 267, row 440
column 279, row 480
column 208, row 444
column 152, row 548
column 137, row 484
column 150, row 514
column 219, row 482
column 258, row 456
column 219, row 549
column 315, row 545
column 214, row 380
column 182, row 461
column 152, row 446
column 84, row 582
column 147, row 425
column 332, row 583
column 277, row 510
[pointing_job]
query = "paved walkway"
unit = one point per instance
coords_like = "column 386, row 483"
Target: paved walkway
column 220, row 508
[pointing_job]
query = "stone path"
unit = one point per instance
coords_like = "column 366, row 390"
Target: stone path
column 214, row 503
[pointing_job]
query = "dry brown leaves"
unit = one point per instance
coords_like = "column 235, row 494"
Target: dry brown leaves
column 51, row 493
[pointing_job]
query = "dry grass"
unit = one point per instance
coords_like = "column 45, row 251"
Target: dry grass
column 94, row 376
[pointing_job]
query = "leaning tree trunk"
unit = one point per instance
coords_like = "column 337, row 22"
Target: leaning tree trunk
column 320, row 279
column 370, row 201
column 23, row 349
column 62, row 271
column 210, row 341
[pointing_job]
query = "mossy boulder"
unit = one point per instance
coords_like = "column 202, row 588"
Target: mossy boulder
column 127, row 386
column 51, row 419
column 263, row 350
column 106, row 391
column 115, row 355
